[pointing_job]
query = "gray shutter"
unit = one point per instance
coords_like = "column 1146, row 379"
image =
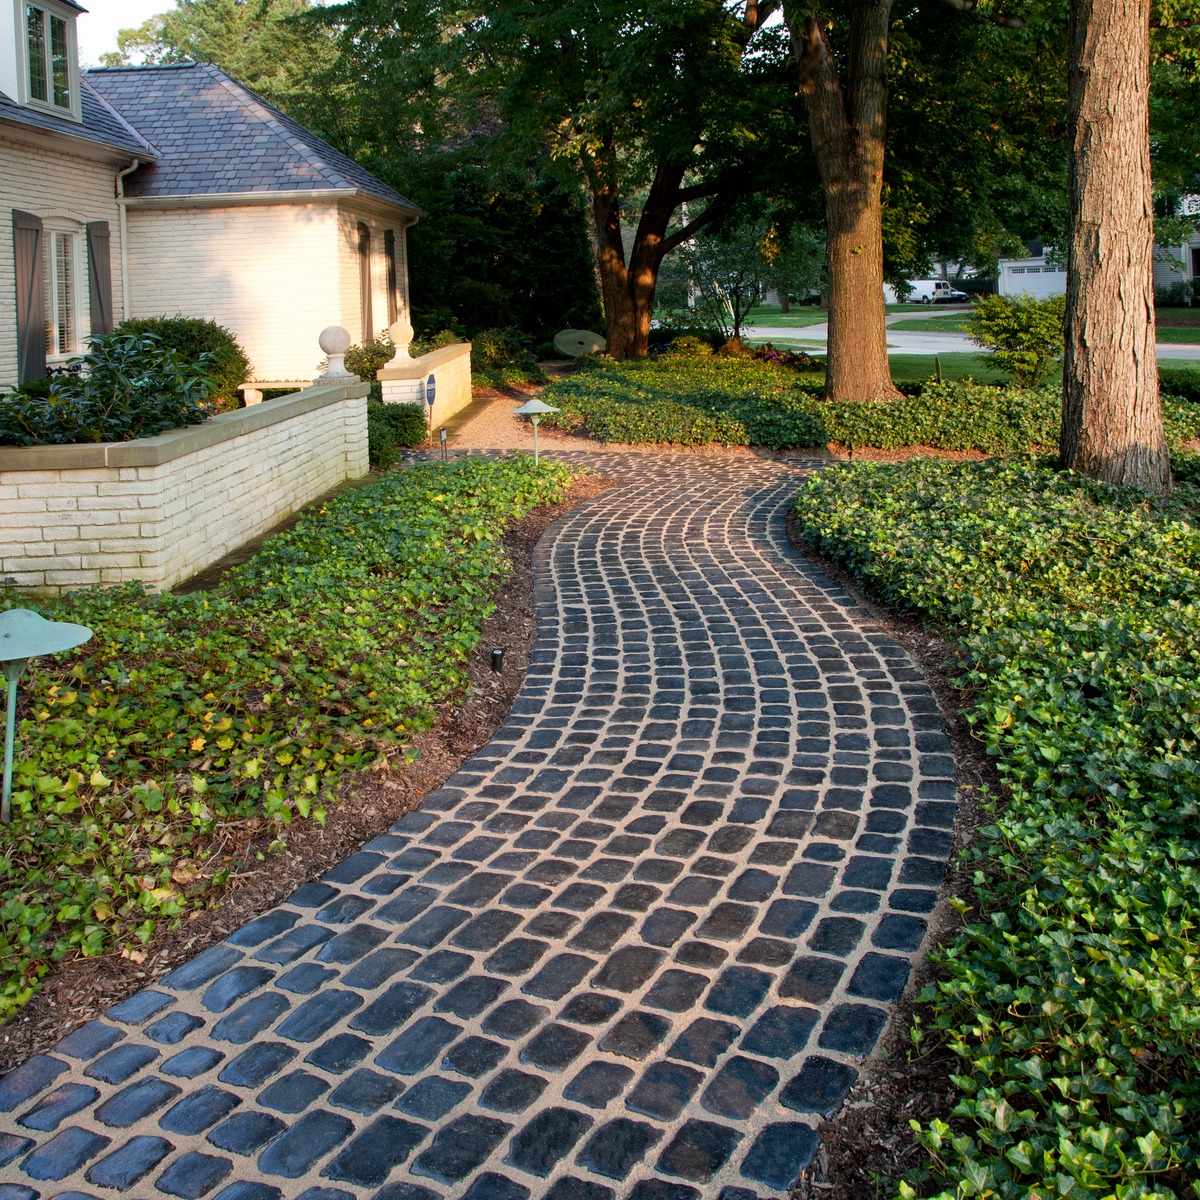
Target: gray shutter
column 31, row 299
column 100, row 277
column 364, row 273
column 393, row 276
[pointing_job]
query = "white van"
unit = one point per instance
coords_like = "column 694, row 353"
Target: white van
column 926, row 291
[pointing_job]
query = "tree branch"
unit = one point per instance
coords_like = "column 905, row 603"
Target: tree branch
column 716, row 209
column 972, row 6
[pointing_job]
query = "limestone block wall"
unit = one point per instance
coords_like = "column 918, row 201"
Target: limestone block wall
column 160, row 509
column 451, row 368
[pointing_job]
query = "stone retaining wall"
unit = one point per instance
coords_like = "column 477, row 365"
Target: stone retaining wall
column 451, row 368
column 160, row 509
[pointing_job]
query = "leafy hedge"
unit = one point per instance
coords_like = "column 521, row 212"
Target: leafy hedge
column 1072, row 998
column 392, row 426
column 737, row 402
column 241, row 708
column 192, row 338
column 129, row 386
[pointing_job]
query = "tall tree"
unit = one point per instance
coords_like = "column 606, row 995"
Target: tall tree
column 848, row 126
column 670, row 101
column 1112, row 421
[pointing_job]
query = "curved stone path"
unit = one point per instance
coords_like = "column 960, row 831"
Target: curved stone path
column 636, row 948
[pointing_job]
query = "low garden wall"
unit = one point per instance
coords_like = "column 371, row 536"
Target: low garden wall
column 159, row 509
column 451, row 368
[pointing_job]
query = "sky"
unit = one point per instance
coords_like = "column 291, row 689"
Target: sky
column 98, row 28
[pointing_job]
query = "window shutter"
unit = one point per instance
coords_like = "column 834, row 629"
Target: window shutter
column 31, row 300
column 389, row 249
column 364, row 274
column 100, row 277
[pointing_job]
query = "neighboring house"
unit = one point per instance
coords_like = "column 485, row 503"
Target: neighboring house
column 155, row 190
column 1034, row 276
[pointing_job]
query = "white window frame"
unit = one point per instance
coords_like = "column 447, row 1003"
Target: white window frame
column 51, row 227
column 52, row 9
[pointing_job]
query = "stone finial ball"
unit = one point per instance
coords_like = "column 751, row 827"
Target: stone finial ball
column 334, row 340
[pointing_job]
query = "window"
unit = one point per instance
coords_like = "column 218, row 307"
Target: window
column 61, row 280
column 51, row 59
column 364, row 281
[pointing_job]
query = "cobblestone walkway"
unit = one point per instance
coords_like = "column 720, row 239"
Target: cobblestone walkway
column 637, row 948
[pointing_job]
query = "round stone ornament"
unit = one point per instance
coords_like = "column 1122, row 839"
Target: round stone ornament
column 575, row 343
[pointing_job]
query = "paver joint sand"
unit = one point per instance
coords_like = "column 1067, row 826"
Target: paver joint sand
column 637, row 947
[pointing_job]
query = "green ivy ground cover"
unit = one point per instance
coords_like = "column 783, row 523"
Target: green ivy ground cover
column 188, row 716
column 1071, row 996
column 740, row 402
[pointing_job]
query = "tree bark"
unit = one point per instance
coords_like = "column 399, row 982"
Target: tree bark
column 1112, row 421
column 848, row 129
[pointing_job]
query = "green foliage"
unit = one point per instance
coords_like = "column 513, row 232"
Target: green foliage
column 1183, row 385
column 132, row 386
column 503, row 357
column 689, row 346
column 369, row 358
column 192, row 338
column 391, row 426
column 1025, row 335
column 435, row 341
column 703, row 401
column 241, row 709
column 1070, row 997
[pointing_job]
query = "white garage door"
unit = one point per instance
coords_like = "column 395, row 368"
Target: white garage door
column 1035, row 281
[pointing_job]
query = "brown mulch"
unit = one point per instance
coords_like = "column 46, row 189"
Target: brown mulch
column 869, row 1145
column 81, row 989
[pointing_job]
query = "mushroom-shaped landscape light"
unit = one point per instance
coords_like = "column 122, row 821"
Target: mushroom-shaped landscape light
column 534, row 409
column 25, row 635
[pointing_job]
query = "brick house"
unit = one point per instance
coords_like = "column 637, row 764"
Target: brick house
column 174, row 189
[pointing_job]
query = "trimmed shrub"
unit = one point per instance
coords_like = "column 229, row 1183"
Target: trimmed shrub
column 391, row 427
column 689, row 346
column 1024, row 335
column 504, row 357
column 192, row 337
column 133, row 387
column 1183, row 385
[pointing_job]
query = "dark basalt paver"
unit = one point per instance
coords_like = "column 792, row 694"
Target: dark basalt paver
column 637, row 948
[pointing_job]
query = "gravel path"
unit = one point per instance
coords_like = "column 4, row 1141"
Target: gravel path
column 638, row 947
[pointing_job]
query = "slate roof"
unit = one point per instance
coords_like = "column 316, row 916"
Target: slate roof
column 215, row 136
column 100, row 124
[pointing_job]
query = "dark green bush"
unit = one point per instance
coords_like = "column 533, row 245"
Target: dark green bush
column 391, row 427
column 133, row 387
column 192, row 337
column 244, row 708
column 366, row 360
column 1072, row 996
column 1183, row 385
column 504, row 357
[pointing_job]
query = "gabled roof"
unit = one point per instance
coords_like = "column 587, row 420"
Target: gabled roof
column 215, row 137
column 100, row 123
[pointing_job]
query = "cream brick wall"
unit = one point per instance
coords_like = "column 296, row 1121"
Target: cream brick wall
column 65, row 523
column 262, row 271
column 349, row 294
column 48, row 182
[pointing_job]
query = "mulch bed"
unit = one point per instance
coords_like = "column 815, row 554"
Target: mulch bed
column 869, row 1144
column 81, row 989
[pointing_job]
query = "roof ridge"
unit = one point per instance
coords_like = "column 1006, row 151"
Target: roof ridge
column 255, row 103
column 95, row 94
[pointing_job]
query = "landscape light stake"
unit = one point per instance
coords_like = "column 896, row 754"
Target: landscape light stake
column 25, row 635
column 534, row 409
column 497, row 660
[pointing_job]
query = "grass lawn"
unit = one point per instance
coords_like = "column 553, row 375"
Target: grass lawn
column 950, row 323
column 916, row 368
column 1176, row 336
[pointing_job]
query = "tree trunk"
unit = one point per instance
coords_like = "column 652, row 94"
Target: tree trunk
column 848, row 129
column 785, row 301
column 1112, row 421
